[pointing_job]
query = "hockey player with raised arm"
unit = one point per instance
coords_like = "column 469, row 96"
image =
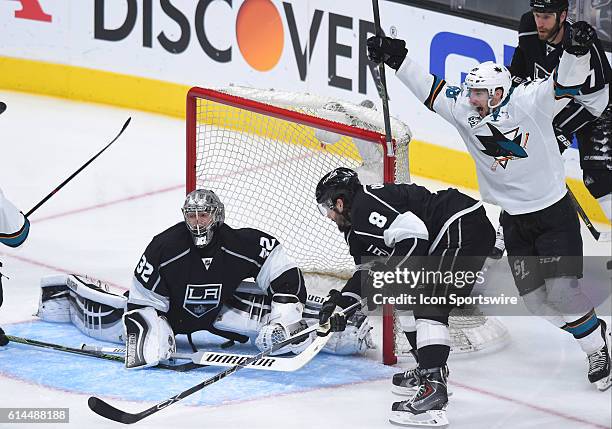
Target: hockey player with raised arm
column 194, row 276
column 543, row 31
column 14, row 229
column 508, row 131
column 407, row 227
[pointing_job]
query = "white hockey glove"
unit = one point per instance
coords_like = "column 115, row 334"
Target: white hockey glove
column 285, row 321
column 148, row 338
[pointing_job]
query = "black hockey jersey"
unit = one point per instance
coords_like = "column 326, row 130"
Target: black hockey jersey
column 384, row 215
column 536, row 59
column 190, row 284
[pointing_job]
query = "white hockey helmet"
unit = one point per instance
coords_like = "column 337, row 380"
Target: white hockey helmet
column 490, row 76
column 198, row 202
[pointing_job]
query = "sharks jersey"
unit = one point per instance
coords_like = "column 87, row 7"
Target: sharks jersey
column 14, row 226
column 190, row 284
column 517, row 159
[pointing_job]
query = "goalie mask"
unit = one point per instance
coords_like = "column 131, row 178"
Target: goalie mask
column 489, row 76
column 204, row 213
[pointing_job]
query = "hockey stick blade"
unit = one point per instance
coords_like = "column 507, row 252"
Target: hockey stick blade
column 222, row 359
column 106, row 410
column 2, row 107
column 61, row 185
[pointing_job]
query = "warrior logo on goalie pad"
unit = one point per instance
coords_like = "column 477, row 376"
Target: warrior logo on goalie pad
column 200, row 299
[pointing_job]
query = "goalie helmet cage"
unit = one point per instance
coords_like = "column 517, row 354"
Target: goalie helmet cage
column 264, row 151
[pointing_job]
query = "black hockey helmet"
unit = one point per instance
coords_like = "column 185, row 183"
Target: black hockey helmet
column 341, row 182
column 549, row 5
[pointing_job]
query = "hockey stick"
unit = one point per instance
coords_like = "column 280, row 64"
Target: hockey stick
column 269, row 363
column 96, row 354
column 382, row 90
column 585, row 218
column 106, row 410
column 53, row 192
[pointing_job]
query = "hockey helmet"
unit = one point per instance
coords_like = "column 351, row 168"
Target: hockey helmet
column 204, row 213
column 341, row 182
column 490, row 76
column 551, row 6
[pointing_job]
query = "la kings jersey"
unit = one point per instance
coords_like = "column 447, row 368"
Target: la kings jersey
column 384, row 215
column 190, row 284
column 517, row 160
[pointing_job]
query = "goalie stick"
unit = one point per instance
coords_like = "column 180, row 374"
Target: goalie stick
column 106, row 410
column 222, row 359
column 598, row 236
column 96, row 354
column 53, row 192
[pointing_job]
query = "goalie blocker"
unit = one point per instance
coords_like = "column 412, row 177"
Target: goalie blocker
column 101, row 314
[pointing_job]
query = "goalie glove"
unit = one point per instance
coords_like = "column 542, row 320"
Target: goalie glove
column 387, row 50
column 285, row 321
column 149, row 338
column 336, row 301
column 581, row 38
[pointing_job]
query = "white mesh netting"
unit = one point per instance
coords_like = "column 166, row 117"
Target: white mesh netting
column 265, row 168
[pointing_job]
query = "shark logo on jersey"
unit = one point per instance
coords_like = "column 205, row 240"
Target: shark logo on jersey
column 200, row 299
column 502, row 148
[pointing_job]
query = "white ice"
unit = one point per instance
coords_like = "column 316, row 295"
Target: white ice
column 100, row 223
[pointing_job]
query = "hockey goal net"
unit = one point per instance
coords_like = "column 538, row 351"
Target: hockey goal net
column 264, row 151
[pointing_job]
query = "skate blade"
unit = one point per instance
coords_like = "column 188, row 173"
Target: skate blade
column 604, row 384
column 409, row 391
column 431, row 418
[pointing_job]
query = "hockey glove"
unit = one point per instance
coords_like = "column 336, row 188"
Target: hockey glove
column 385, row 49
column 581, row 38
column 337, row 321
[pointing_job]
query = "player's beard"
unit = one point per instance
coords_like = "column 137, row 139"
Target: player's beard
column 545, row 37
column 344, row 224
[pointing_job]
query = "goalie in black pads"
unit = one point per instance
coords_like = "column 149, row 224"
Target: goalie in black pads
column 191, row 277
column 408, row 227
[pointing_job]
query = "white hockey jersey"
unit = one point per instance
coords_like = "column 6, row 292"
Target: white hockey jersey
column 14, row 227
column 517, row 158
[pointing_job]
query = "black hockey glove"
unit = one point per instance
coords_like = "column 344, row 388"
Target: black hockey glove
column 337, row 321
column 385, row 49
column 581, row 38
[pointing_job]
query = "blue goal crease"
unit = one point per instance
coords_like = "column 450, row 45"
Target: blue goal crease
column 82, row 374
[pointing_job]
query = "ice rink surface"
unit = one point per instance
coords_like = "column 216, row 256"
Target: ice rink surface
column 101, row 222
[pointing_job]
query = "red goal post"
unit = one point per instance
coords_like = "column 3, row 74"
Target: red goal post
column 200, row 100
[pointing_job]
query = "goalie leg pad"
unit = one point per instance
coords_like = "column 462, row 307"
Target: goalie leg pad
column 54, row 299
column 89, row 306
column 285, row 321
column 149, row 338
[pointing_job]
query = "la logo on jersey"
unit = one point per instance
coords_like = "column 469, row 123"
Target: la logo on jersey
column 200, row 299
column 502, row 148
column 207, row 262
